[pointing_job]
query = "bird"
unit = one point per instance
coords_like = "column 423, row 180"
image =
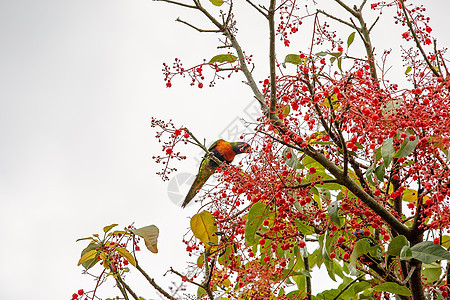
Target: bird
column 225, row 152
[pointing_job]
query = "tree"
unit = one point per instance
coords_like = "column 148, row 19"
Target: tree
column 343, row 159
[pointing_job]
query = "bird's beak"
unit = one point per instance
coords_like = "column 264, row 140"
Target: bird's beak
column 245, row 148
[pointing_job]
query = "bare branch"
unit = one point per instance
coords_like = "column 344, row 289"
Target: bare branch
column 178, row 3
column 196, row 28
column 272, row 58
column 419, row 46
column 362, row 5
column 373, row 24
column 305, row 185
column 257, row 8
column 347, row 8
column 337, row 19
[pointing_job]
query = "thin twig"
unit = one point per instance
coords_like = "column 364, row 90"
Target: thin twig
column 257, row 8
column 178, row 3
column 419, row 46
column 196, row 28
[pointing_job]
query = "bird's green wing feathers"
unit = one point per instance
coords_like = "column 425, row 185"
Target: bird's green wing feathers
column 205, row 171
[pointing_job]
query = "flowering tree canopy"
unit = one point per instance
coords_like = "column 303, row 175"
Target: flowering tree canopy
column 348, row 169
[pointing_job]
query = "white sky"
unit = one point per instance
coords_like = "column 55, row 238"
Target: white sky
column 79, row 81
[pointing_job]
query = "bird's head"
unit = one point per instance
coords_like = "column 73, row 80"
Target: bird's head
column 359, row 233
column 241, row 147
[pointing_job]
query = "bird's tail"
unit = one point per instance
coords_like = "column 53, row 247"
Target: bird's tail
column 196, row 186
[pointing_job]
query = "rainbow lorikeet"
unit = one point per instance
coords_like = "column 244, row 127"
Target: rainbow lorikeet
column 225, row 152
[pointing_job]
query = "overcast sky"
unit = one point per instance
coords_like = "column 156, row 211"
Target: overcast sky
column 79, row 82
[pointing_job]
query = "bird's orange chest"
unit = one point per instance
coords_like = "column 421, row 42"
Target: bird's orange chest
column 226, row 150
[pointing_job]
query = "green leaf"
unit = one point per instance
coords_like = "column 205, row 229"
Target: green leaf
column 91, row 260
column 309, row 162
column 377, row 153
column 200, row 292
column 303, row 228
column 86, row 238
column 392, row 106
column 379, row 172
column 286, row 110
column 127, row 255
column 350, row 39
column 254, row 220
column 396, row 245
column 292, row 162
column 360, row 286
column 322, row 53
column 336, row 54
column 293, row 59
column 428, row 252
column 361, row 248
column 108, row 228
column 216, row 2
column 405, row 253
column 203, row 227
column 340, row 63
column 387, row 151
column 407, row 148
column 296, row 294
column 369, row 174
column 408, row 69
column 329, row 264
column 221, row 58
column 87, row 256
column 432, row 272
column 394, row 288
column 333, row 211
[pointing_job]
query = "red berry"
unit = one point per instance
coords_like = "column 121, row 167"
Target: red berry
column 262, row 241
column 341, row 239
column 200, row 85
column 301, row 244
column 332, row 255
column 436, row 241
column 346, row 255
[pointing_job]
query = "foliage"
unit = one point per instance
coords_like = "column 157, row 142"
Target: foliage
column 348, row 170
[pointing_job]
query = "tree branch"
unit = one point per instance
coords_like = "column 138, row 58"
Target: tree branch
column 418, row 45
column 257, row 8
column 196, row 28
column 178, row 3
